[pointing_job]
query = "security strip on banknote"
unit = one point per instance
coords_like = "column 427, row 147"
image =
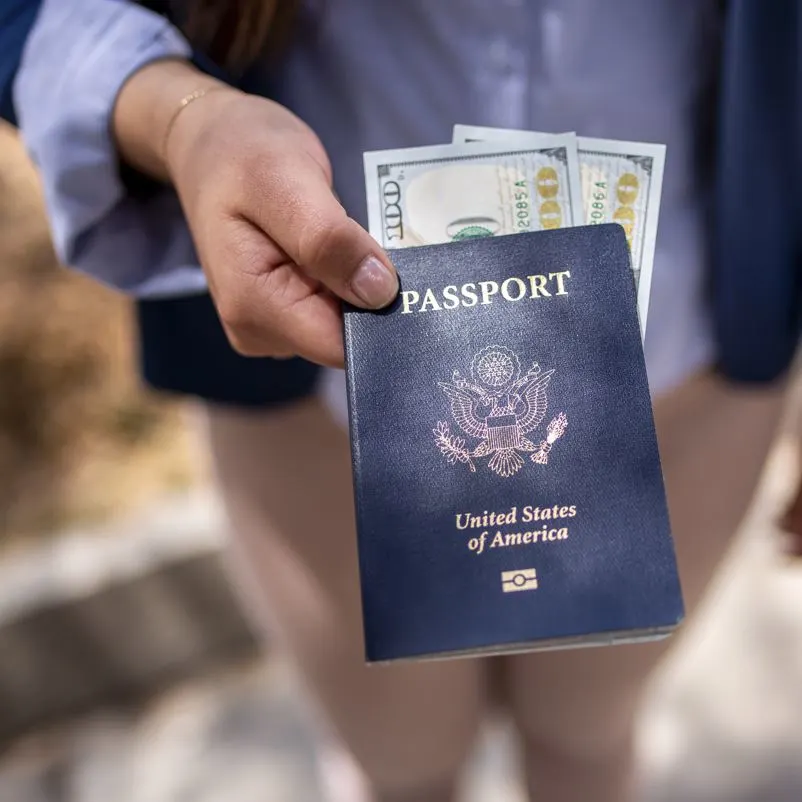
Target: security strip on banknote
column 621, row 183
column 446, row 193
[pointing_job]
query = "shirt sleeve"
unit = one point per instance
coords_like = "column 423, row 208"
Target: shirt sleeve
column 77, row 57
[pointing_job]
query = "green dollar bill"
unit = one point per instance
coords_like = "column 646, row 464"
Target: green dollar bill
column 621, row 183
column 421, row 196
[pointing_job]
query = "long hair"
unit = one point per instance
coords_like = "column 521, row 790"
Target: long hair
column 236, row 32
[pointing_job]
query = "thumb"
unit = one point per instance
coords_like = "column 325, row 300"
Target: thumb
column 300, row 213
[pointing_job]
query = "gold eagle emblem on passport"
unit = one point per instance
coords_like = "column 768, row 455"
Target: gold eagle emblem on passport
column 499, row 407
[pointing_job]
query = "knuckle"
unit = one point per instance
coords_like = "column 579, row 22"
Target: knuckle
column 246, row 329
column 243, row 345
column 281, row 352
column 248, row 332
column 235, row 314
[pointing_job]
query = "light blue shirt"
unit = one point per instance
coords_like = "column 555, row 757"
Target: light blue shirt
column 372, row 74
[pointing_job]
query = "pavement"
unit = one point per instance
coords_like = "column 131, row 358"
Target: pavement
column 722, row 722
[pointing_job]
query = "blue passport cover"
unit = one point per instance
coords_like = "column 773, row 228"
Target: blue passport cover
column 507, row 480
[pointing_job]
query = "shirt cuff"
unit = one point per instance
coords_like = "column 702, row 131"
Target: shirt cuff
column 76, row 60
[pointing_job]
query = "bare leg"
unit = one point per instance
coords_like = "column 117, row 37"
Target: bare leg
column 286, row 481
column 574, row 709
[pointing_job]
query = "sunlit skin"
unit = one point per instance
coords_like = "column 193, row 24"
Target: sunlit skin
column 278, row 249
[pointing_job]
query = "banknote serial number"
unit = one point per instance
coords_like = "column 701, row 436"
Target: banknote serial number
column 598, row 205
column 523, row 207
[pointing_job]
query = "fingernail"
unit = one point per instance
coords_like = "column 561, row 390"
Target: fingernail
column 374, row 283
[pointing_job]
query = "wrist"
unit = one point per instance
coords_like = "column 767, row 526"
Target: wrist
column 149, row 107
column 190, row 119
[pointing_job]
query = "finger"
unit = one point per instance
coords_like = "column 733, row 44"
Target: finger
column 252, row 343
column 293, row 203
column 311, row 329
column 266, row 306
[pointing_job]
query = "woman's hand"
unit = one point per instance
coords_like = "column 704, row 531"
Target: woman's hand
column 277, row 247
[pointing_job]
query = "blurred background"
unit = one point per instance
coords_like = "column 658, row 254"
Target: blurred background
column 127, row 671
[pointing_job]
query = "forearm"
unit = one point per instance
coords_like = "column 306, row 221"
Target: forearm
column 77, row 58
column 146, row 110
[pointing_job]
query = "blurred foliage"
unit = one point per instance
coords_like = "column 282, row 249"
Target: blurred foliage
column 79, row 438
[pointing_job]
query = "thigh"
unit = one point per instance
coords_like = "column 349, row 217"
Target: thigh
column 713, row 439
column 286, row 481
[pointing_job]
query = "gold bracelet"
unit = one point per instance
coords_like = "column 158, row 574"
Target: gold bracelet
column 183, row 103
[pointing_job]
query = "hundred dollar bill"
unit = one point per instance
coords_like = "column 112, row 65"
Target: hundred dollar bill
column 422, row 196
column 621, row 183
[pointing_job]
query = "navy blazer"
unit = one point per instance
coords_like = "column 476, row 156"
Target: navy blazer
column 16, row 20
column 755, row 278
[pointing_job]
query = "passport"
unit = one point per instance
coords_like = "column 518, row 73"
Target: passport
column 507, row 480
